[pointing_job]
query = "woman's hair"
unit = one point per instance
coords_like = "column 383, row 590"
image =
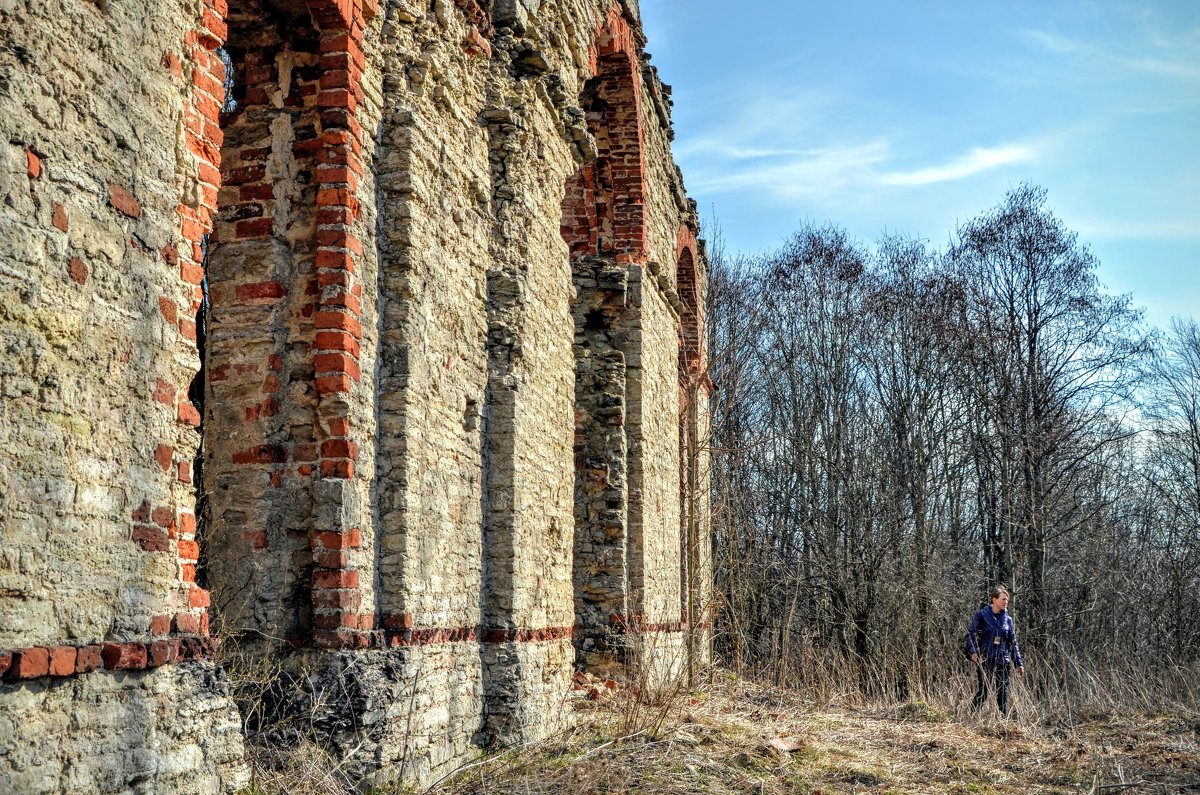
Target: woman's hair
column 1000, row 589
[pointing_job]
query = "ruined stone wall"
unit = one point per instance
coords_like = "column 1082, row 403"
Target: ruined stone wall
column 366, row 317
column 102, row 627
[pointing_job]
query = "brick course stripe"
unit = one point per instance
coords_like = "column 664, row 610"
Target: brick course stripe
column 398, row 630
column 61, row 661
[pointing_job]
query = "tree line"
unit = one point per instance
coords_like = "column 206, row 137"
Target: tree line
column 897, row 428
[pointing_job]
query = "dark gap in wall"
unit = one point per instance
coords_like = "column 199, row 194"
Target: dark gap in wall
column 196, row 393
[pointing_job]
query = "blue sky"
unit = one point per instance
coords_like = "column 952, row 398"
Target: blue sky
column 910, row 117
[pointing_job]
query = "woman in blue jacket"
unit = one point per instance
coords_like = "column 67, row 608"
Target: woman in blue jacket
column 992, row 646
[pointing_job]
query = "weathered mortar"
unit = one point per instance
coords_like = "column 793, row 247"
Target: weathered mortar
column 445, row 410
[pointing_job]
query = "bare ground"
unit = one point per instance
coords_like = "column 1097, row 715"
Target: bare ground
column 737, row 737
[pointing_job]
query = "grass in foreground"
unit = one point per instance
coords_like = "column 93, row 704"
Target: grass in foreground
column 738, row 737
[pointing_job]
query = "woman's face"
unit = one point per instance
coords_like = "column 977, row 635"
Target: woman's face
column 999, row 603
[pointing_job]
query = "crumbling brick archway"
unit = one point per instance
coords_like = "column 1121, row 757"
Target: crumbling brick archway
column 277, row 166
column 605, row 227
column 604, row 208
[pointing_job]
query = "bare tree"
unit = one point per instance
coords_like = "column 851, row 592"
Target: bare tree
column 1049, row 362
column 897, row 428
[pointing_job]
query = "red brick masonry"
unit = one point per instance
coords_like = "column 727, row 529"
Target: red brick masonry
column 38, row 661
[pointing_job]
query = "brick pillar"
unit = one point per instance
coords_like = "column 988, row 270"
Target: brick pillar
column 339, row 617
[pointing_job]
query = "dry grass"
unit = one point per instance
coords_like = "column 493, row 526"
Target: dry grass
column 738, row 737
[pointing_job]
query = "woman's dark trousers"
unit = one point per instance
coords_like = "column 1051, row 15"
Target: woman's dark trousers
column 991, row 677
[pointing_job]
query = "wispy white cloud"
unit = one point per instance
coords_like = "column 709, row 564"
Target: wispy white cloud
column 827, row 172
column 818, row 172
column 1053, row 42
column 973, row 162
column 1177, row 56
column 1186, row 68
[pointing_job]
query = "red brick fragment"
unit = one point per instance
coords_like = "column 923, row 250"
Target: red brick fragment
column 62, row 660
column 337, row 341
column 160, row 625
column 330, row 559
column 335, row 621
column 164, row 392
column 336, row 600
column 335, row 197
column 207, row 82
column 123, row 656
column 185, row 472
column 168, row 309
column 339, row 448
column 162, row 516
column 259, row 290
column 399, row 621
column 344, row 300
column 150, row 539
column 59, row 218
column 187, row 623
column 330, row 539
column 189, row 550
column 214, row 24
column 77, row 270
column 123, row 201
column 159, row 653
column 198, row 597
column 334, row 277
column 29, row 663
column 88, row 659
column 476, row 45
column 256, row 192
column 337, row 362
column 187, row 413
column 262, row 454
column 254, row 227
column 333, row 384
column 191, row 273
column 336, row 260
column 164, row 454
column 187, row 523
column 171, row 63
column 244, row 175
column 338, row 320
column 335, row 579
column 34, row 163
